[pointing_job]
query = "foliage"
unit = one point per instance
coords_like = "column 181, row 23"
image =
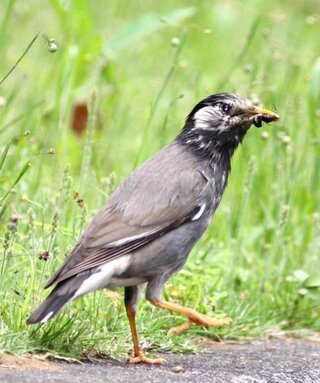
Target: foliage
column 140, row 67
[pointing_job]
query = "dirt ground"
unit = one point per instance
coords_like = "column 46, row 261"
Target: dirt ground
column 272, row 361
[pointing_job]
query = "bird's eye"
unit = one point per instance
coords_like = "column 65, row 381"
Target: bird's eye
column 226, row 108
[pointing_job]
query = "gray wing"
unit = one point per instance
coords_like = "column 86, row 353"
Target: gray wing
column 147, row 205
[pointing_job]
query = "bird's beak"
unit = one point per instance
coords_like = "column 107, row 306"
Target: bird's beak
column 258, row 115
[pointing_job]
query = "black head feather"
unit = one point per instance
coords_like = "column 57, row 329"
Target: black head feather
column 218, row 124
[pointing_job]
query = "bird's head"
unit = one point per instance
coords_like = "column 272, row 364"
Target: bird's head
column 220, row 121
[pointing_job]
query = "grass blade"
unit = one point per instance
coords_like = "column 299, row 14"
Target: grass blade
column 4, row 154
column 18, row 178
column 20, row 58
column 144, row 26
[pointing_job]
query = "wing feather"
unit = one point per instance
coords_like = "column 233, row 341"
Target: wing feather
column 86, row 255
column 154, row 199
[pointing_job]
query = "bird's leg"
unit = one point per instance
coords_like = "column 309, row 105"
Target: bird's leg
column 131, row 297
column 193, row 316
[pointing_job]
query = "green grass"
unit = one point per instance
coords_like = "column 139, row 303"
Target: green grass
column 254, row 261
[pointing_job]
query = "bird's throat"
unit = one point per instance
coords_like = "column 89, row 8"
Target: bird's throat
column 213, row 146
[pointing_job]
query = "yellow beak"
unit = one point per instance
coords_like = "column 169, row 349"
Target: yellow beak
column 259, row 115
column 263, row 113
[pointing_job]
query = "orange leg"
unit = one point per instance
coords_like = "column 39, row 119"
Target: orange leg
column 138, row 354
column 193, row 317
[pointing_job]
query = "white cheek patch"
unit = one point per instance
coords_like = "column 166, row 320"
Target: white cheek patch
column 204, row 116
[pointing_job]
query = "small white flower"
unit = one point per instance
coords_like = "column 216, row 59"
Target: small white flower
column 175, row 41
column 52, row 46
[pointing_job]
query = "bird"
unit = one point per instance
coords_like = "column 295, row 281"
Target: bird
column 150, row 223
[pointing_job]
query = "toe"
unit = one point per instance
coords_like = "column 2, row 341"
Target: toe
column 179, row 329
column 205, row 320
column 143, row 359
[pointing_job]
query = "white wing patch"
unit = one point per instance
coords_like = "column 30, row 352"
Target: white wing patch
column 132, row 238
column 200, row 212
column 103, row 275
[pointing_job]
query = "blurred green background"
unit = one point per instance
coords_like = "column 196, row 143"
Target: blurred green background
column 137, row 68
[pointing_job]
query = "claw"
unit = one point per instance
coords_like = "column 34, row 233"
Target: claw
column 143, row 359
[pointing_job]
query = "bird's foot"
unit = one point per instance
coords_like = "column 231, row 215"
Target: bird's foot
column 179, row 329
column 207, row 321
column 192, row 315
column 143, row 359
column 202, row 320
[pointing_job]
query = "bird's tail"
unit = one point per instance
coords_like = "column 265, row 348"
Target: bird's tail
column 56, row 300
column 69, row 289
